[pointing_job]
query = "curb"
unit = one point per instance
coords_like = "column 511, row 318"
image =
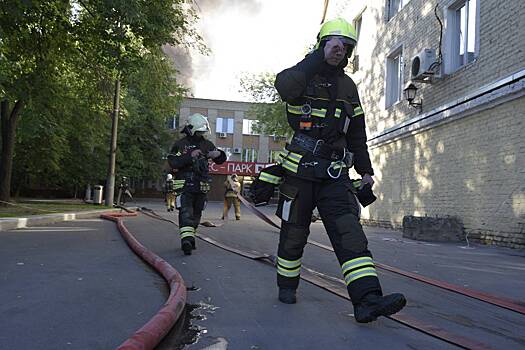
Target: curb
column 35, row 220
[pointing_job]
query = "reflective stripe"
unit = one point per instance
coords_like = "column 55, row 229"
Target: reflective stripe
column 337, row 113
column 294, row 157
column 321, row 113
column 178, row 154
column 288, row 263
column 352, row 276
column 288, row 273
column 187, row 231
column 358, row 111
column 290, row 165
column 352, row 264
column 316, row 112
column 294, row 109
column 270, row 178
column 179, row 184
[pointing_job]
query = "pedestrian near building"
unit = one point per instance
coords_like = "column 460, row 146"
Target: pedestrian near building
column 189, row 156
column 169, row 192
column 232, row 189
column 325, row 113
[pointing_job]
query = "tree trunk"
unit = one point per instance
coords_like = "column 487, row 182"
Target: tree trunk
column 110, row 180
column 9, row 120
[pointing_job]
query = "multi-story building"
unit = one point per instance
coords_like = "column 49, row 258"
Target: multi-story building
column 233, row 132
column 459, row 149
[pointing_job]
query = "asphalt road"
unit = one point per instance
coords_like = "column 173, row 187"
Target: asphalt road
column 76, row 285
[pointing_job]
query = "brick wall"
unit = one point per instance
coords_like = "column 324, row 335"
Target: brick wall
column 472, row 167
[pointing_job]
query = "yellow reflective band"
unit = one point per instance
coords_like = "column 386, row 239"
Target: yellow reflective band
column 358, row 111
column 178, row 153
column 294, row 109
column 289, row 263
column 289, row 165
column 337, row 113
column 337, row 165
column 321, row 113
column 179, row 184
column 352, row 264
column 186, row 229
column 187, row 234
column 288, row 273
column 295, row 157
column 370, row 271
column 270, row 178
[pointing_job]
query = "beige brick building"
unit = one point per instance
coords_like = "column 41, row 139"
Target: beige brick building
column 463, row 154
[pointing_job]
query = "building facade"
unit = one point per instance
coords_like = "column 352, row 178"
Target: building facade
column 459, row 151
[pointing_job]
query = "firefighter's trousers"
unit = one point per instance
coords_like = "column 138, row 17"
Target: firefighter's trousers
column 191, row 206
column 228, row 201
column 339, row 211
column 170, row 200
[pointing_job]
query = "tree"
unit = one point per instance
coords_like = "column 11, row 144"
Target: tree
column 270, row 110
column 33, row 47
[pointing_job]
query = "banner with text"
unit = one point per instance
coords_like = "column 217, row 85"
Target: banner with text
column 239, row 168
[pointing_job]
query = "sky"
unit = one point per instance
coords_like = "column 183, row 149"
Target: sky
column 247, row 36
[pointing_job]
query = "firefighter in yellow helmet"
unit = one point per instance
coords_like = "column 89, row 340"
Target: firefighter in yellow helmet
column 189, row 156
column 325, row 113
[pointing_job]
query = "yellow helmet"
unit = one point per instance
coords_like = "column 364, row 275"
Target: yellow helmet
column 197, row 122
column 341, row 29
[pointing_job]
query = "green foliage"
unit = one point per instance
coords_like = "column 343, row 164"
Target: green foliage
column 62, row 59
column 270, row 110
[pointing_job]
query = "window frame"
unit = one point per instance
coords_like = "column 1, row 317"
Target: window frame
column 230, row 122
column 452, row 40
column 250, row 123
column 395, row 53
column 388, row 8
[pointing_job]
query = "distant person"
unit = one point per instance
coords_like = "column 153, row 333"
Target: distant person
column 169, row 192
column 123, row 191
column 233, row 188
column 189, row 156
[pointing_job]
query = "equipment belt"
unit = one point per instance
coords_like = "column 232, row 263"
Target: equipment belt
column 317, row 147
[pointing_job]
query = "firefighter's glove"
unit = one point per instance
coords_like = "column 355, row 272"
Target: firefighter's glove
column 261, row 192
column 263, row 187
column 365, row 195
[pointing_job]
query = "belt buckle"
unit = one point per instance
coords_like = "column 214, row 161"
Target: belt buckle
column 318, row 144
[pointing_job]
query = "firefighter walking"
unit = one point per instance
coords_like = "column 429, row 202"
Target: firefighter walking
column 325, row 113
column 189, row 156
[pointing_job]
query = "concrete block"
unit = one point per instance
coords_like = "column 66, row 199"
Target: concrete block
column 449, row 229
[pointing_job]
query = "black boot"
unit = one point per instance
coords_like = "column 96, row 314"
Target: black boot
column 287, row 296
column 186, row 246
column 373, row 305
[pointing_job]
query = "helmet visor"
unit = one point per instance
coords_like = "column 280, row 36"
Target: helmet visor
column 345, row 40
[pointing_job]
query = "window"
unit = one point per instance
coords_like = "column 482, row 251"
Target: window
column 249, row 155
column 394, row 77
column 248, row 127
column 224, row 125
column 394, row 6
column 358, row 21
column 172, row 122
column 462, row 34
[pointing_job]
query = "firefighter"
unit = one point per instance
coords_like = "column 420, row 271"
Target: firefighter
column 325, row 113
column 232, row 189
column 189, row 156
column 169, row 192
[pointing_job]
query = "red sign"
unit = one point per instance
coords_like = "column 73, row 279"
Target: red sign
column 239, row 168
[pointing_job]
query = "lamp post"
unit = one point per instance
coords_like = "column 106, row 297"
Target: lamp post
column 410, row 92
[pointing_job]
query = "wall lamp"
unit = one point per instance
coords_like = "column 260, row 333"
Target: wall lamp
column 410, row 94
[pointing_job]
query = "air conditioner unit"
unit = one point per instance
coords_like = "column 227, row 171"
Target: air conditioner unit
column 236, row 150
column 223, row 135
column 424, row 66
